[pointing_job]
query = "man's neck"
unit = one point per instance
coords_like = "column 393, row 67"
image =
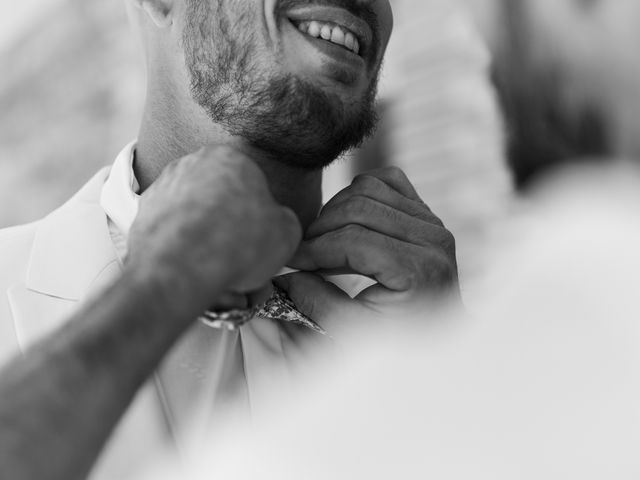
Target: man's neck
column 161, row 142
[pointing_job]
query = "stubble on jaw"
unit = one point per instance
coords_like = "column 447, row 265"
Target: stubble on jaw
column 292, row 120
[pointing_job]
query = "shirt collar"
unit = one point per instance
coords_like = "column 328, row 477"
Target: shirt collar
column 119, row 197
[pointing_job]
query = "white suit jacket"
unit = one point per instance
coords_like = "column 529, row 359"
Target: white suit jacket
column 48, row 267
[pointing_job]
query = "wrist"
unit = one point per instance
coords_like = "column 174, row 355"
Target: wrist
column 171, row 294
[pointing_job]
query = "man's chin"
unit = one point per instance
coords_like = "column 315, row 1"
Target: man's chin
column 316, row 147
column 309, row 159
column 307, row 127
column 296, row 122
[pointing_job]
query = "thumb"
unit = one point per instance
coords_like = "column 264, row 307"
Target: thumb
column 320, row 300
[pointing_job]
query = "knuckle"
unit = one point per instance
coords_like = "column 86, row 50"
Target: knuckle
column 350, row 232
column 404, row 276
column 422, row 211
column 448, row 241
column 441, row 270
column 410, row 279
column 365, row 183
column 357, row 205
column 389, row 244
column 437, row 222
column 396, row 173
column 357, row 258
column 184, row 166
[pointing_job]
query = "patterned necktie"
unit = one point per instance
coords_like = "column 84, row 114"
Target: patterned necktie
column 279, row 308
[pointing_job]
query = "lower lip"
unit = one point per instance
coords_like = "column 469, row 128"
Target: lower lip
column 345, row 59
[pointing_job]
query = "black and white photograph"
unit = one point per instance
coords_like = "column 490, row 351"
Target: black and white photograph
column 319, row 240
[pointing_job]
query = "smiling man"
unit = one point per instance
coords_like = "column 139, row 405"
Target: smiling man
column 289, row 85
column 301, row 76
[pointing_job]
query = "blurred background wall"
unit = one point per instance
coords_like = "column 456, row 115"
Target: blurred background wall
column 446, row 130
column 71, row 93
column 72, row 87
column 441, row 123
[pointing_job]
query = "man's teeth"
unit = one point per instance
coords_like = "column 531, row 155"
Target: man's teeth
column 332, row 33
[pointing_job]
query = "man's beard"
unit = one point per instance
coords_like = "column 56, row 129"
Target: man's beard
column 290, row 119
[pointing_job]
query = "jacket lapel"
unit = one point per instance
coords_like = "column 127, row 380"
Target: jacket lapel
column 72, row 257
column 72, row 254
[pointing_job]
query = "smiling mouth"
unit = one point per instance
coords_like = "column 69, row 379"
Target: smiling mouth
column 330, row 32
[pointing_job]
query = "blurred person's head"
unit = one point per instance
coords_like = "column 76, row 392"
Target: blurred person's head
column 295, row 78
column 568, row 80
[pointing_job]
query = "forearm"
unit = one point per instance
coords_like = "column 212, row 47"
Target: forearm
column 60, row 402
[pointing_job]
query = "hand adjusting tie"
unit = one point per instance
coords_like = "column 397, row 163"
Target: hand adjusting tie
column 279, row 308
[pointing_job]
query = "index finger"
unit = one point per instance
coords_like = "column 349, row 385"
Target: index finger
column 356, row 249
column 395, row 178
